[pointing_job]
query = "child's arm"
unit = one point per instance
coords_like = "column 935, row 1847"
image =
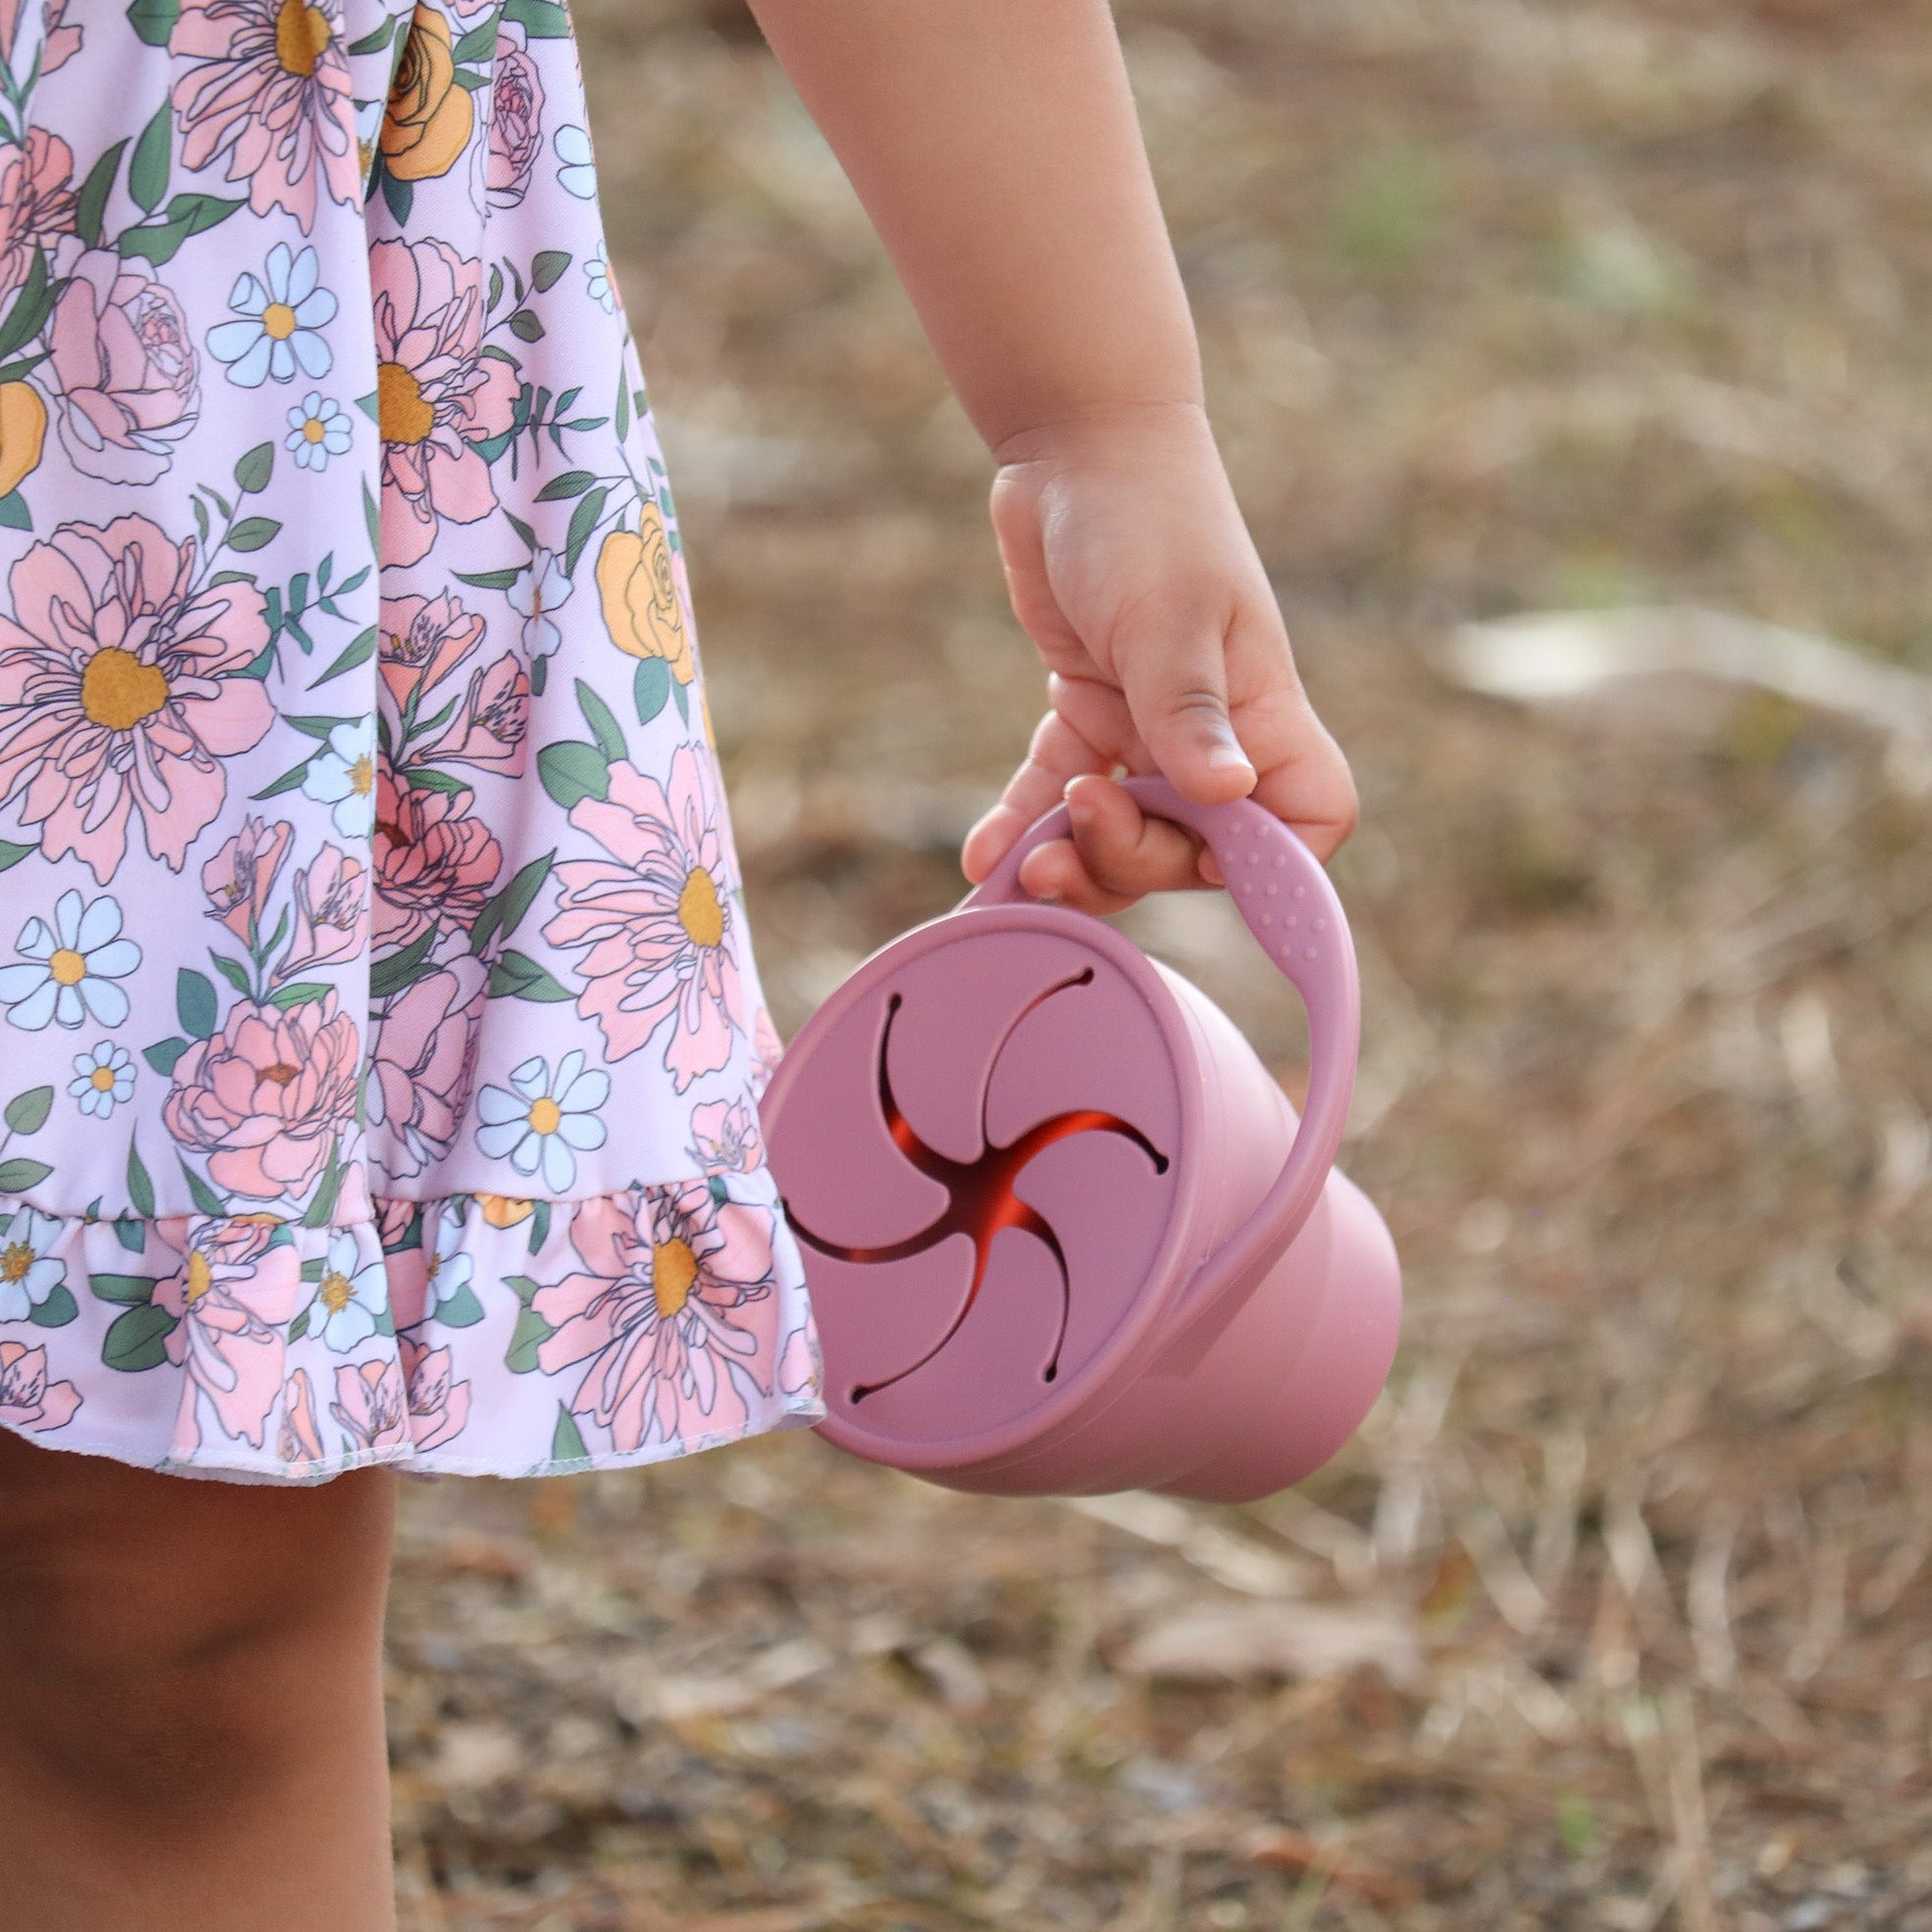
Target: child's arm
column 996, row 147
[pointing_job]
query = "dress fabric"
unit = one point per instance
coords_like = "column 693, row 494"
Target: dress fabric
column 380, row 1038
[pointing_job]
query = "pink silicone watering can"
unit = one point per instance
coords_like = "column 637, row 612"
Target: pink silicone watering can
column 1063, row 1232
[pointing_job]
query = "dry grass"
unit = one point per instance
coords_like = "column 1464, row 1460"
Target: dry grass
column 1616, row 1615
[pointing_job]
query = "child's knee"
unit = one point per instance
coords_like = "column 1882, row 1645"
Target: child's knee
column 160, row 1646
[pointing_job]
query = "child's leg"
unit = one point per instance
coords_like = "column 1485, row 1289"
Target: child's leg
column 191, row 1701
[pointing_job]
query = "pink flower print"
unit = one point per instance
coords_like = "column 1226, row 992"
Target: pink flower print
column 439, row 1405
column 767, row 1050
column 799, row 1368
column 121, row 691
column 724, row 1138
column 120, row 351
column 238, row 1288
column 239, row 879
column 267, row 1098
column 36, row 203
column 269, row 88
column 423, row 1064
column 27, row 1399
column 656, row 924
column 436, row 393
column 331, row 913
column 298, row 1440
column 516, row 122
column 489, row 726
column 371, row 1404
column 668, row 1269
column 58, row 43
column 422, row 640
column 434, row 861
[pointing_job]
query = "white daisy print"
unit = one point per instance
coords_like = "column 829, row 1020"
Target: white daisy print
column 282, row 310
column 72, row 966
column 30, row 1272
column 577, row 175
column 537, row 591
column 343, row 773
column 603, row 290
column 349, row 1299
column 317, row 431
column 539, row 1119
column 103, row 1077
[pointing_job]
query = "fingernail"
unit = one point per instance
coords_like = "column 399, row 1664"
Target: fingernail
column 1227, row 758
column 1079, row 808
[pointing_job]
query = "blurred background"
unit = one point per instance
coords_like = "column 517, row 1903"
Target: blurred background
column 1572, row 365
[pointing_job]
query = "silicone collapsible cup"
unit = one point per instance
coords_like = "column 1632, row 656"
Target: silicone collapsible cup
column 1064, row 1233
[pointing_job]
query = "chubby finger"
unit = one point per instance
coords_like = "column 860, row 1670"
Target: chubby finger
column 1172, row 659
column 1116, row 855
column 1057, row 752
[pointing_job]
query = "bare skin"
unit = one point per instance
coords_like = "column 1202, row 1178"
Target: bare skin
column 190, row 1709
column 996, row 147
column 191, row 1700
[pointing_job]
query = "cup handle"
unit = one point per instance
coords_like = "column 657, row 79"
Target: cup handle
column 1281, row 891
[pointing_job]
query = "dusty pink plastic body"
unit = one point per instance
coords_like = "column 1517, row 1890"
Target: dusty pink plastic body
column 1064, row 1232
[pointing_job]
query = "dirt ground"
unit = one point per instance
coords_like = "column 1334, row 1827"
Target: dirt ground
column 1617, row 1615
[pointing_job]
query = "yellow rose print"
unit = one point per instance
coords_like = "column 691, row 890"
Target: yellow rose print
column 23, row 430
column 429, row 117
column 639, row 593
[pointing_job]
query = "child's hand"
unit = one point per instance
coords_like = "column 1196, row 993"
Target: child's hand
column 1133, row 573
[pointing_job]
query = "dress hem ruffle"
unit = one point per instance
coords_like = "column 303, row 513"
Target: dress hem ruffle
column 472, row 1335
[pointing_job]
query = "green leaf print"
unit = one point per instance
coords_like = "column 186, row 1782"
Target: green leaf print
column 252, row 532
column 650, row 688
column 547, row 266
column 91, row 202
column 516, row 976
column 138, row 1339
column 58, row 1309
column 194, row 1003
column 525, row 327
column 478, row 44
column 11, row 854
column 299, row 1327
column 572, row 483
column 188, row 215
column 374, row 41
column 604, row 727
column 529, row 1334
column 252, row 470
column 206, row 1200
column 572, row 771
column 14, row 513
column 26, row 1114
column 391, row 974
column 133, row 1290
column 154, row 19
column 304, row 992
column 462, row 1310
column 504, row 911
column 540, row 19
column 18, row 1174
column 567, row 1439
column 358, row 653
column 147, row 172
column 582, row 521
column 31, row 307
column 140, row 1189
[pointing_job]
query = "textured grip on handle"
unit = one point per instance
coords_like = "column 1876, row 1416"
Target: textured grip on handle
column 1280, row 889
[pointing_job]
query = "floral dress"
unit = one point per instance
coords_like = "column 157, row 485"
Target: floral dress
column 379, row 1040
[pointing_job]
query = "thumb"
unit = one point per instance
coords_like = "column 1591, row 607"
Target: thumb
column 1174, row 674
